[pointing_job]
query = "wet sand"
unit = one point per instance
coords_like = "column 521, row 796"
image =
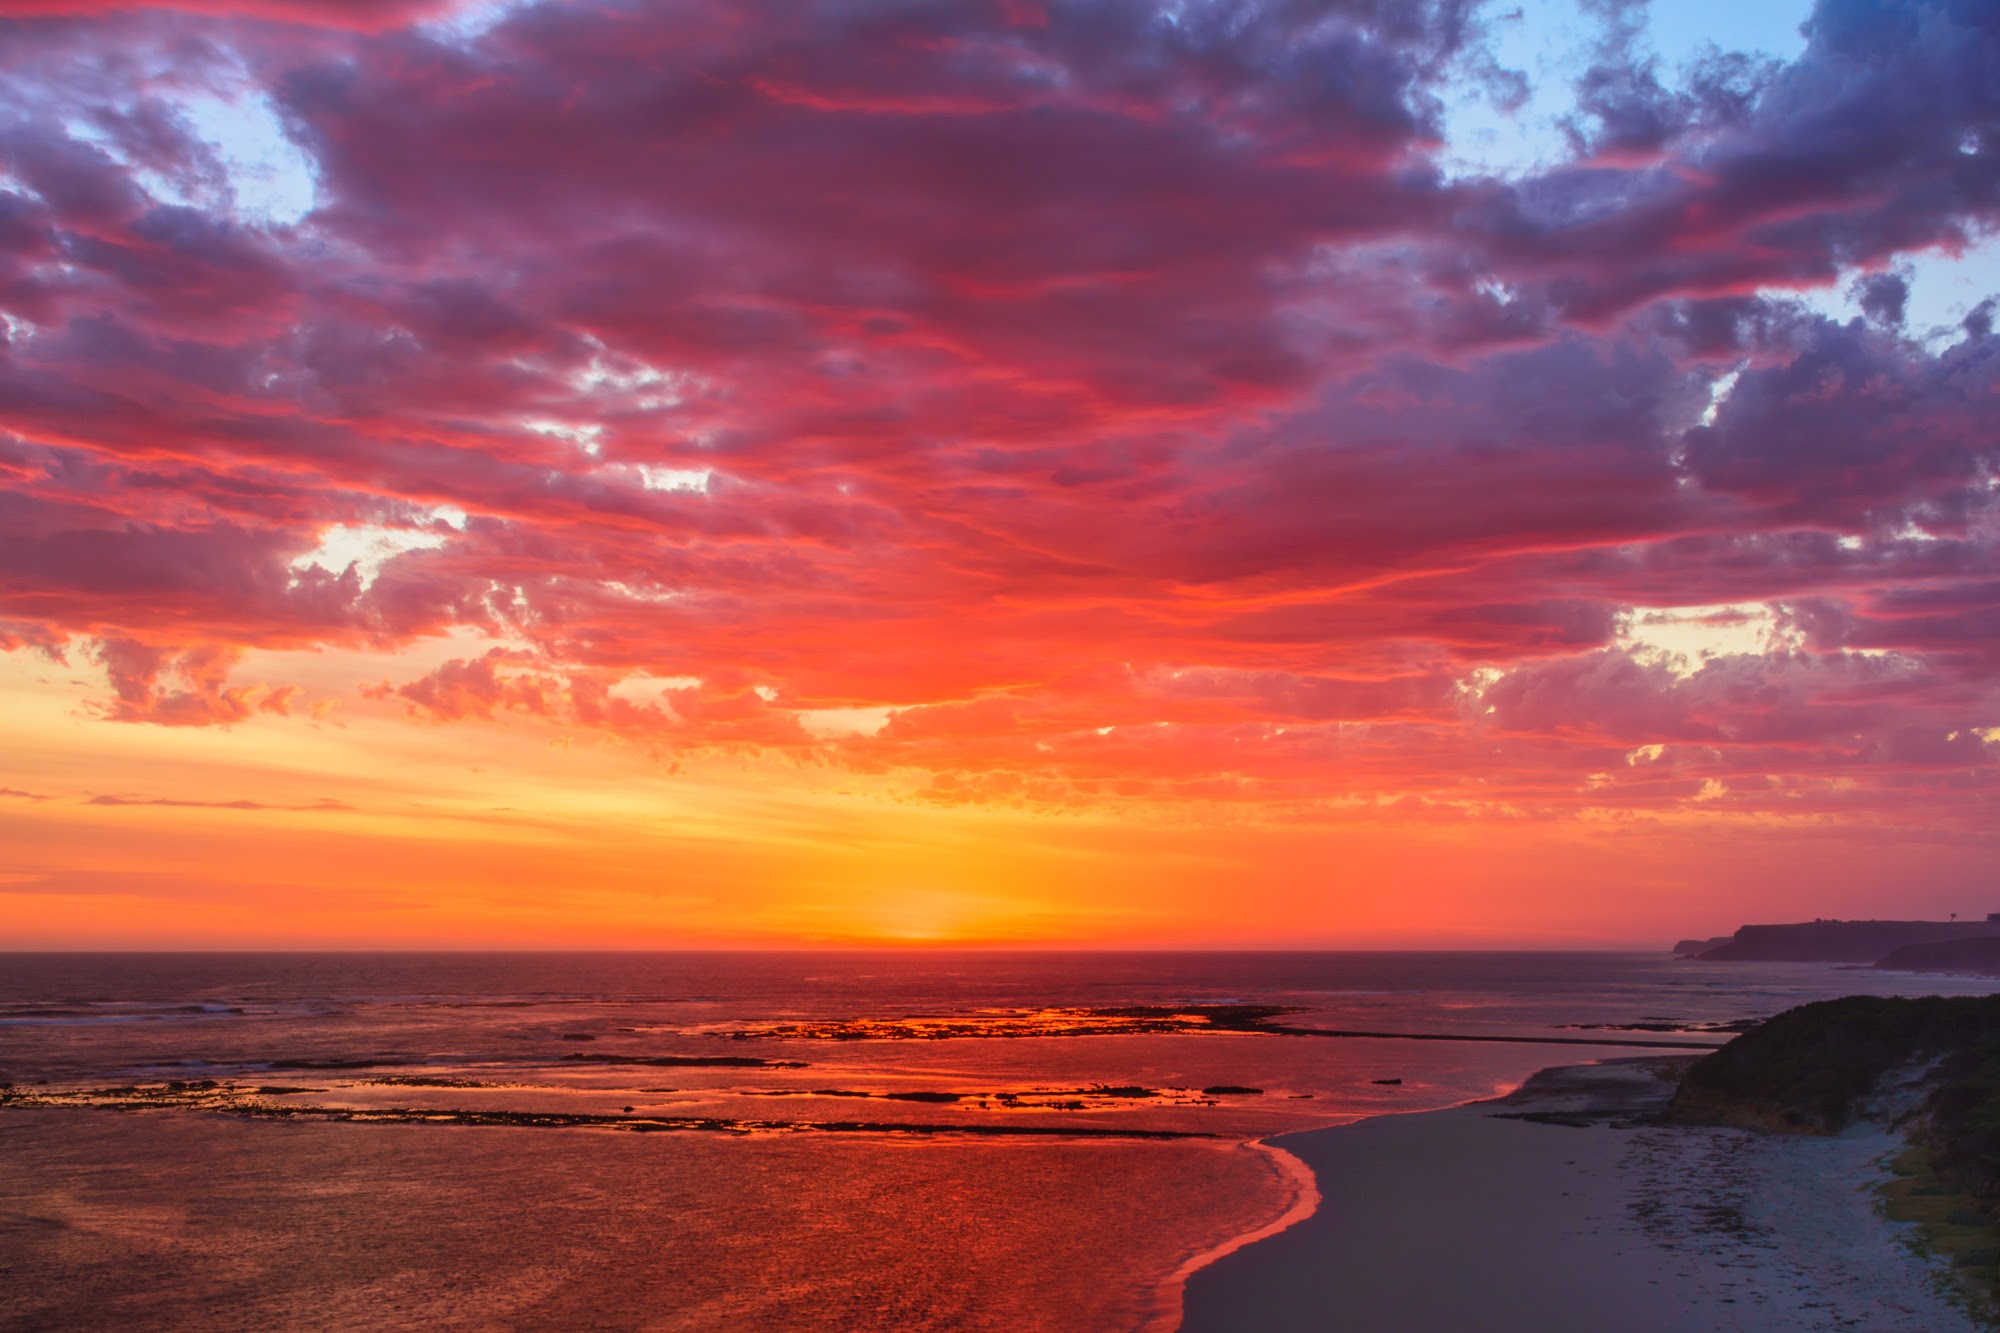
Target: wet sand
column 1578, row 1220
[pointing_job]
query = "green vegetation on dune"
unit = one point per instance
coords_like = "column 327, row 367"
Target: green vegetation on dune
column 1952, row 1225
column 1965, row 1114
column 1810, row 1069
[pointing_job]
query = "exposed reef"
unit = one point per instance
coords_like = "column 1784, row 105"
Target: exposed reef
column 1253, row 1019
column 244, row 1102
column 685, row 1061
column 1128, row 1020
column 1493, row 1037
column 1033, row 1099
column 372, row 1062
column 1732, row 1026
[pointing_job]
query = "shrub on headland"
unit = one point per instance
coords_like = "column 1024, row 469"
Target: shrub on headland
column 1808, row 1069
column 1962, row 1120
column 1812, row 1068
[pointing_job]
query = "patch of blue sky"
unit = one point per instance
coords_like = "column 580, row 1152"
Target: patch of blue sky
column 1552, row 43
column 1943, row 289
column 266, row 178
column 469, row 22
column 271, row 180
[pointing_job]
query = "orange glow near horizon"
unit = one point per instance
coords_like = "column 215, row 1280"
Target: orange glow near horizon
column 362, row 829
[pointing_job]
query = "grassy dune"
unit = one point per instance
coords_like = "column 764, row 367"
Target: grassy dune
column 1814, row 1069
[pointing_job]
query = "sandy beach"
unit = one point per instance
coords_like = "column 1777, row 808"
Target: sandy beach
column 1577, row 1220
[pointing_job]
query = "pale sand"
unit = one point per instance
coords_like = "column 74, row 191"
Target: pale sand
column 1458, row 1220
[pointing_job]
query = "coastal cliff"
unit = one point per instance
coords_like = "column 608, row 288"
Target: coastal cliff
column 1828, row 941
column 1978, row 957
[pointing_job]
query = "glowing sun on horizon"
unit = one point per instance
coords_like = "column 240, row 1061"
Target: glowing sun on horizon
column 941, row 916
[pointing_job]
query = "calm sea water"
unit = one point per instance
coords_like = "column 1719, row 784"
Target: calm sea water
column 730, row 1141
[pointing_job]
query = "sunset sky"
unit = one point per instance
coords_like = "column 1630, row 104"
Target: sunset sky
column 601, row 473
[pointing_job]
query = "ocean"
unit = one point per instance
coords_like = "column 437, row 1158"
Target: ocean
column 737, row 1141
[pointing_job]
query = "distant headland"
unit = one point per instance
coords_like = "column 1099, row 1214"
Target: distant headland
column 1903, row 946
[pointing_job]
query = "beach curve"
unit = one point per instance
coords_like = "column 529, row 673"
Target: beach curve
column 1305, row 1201
column 1532, row 1213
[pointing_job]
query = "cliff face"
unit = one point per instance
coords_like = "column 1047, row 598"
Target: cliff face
column 1979, row 957
column 1841, row 941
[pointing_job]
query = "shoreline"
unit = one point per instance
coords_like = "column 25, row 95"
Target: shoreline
column 1305, row 1203
column 1554, row 1209
column 1306, row 1199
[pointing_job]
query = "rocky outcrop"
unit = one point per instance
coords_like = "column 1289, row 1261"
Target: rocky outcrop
column 1696, row 948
